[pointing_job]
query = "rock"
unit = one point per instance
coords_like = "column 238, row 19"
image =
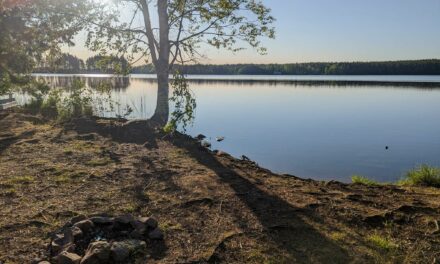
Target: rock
column 58, row 243
column 102, row 220
column 68, row 258
column 85, row 225
column 44, row 262
column 136, row 224
column 205, row 144
column 243, row 157
column 220, row 139
column 125, row 219
column 149, row 222
column 137, row 234
column 77, row 219
column 68, row 237
column 70, row 248
column 121, row 251
column 56, row 247
column 122, row 223
column 77, row 233
column 97, row 252
column 156, row 234
column 222, row 154
column 139, row 229
column 200, row 137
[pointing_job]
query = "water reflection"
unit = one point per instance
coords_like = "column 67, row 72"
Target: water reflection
column 319, row 129
column 116, row 83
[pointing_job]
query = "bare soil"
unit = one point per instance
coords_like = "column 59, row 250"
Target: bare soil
column 212, row 207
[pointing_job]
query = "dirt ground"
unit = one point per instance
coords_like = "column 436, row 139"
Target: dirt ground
column 212, row 207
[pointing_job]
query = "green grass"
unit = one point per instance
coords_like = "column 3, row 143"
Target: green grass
column 381, row 242
column 422, row 176
column 64, row 178
column 338, row 236
column 131, row 208
column 68, row 152
column 10, row 192
column 363, row 180
column 22, row 180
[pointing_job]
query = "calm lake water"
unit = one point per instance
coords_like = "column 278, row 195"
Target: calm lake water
column 304, row 125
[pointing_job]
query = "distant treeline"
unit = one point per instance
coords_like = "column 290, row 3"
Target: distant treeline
column 415, row 67
column 101, row 64
column 66, row 63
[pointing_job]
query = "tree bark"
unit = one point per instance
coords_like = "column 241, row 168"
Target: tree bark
column 162, row 66
column 161, row 113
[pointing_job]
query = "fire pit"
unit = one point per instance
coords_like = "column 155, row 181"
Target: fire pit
column 104, row 239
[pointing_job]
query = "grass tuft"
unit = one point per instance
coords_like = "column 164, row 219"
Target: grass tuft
column 64, row 178
column 424, row 175
column 10, row 192
column 363, row 180
column 22, row 180
column 338, row 236
column 381, row 242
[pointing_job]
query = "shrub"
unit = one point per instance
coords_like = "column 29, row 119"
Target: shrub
column 38, row 91
column 363, row 180
column 423, row 176
column 76, row 101
column 49, row 107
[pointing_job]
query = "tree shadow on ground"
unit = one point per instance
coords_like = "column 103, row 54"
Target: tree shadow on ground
column 6, row 142
column 136, row 131
column 280, row 220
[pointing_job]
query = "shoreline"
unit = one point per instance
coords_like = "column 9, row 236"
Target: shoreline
column 396, row 80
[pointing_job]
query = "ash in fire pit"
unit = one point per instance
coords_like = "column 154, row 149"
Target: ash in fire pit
column 104, row 239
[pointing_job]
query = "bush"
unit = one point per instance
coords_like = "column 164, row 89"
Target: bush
column 423, row 176
column 49, row 107
column 75, row 101
column 363, row 180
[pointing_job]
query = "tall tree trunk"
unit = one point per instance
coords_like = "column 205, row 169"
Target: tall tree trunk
column 161, row 114
column 162, row 65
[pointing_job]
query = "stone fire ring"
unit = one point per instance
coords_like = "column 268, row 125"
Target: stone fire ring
column 104, row 239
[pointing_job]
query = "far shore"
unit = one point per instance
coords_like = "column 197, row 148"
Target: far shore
column 430, row 81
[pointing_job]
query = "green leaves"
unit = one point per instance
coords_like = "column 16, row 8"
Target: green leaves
column 226, row 24
column 184, row 104
column 32, row 29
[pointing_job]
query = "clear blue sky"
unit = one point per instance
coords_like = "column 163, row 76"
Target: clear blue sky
column 344, row 30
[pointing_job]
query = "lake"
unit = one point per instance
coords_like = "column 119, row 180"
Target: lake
column 320, row 127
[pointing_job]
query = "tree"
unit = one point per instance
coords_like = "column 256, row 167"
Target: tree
column 63, row 63
column 181, row 27
column 107, row 64
column 29, row 29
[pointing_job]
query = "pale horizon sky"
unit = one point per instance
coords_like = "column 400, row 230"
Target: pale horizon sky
column 339, row 30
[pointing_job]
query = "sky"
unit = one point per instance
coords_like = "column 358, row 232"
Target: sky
column 340, row 30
